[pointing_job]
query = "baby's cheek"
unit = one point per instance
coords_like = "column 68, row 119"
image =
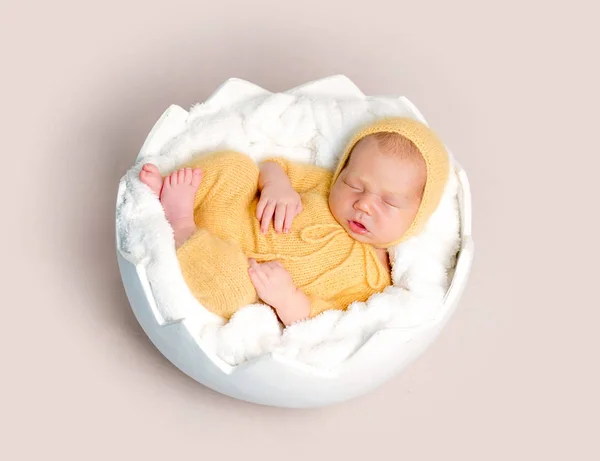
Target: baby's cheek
column 396, row 226
column 336, row 203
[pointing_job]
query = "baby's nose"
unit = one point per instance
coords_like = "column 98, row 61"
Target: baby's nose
column 363, row 205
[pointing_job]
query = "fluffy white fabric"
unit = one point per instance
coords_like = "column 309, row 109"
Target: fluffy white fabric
column 310, row 124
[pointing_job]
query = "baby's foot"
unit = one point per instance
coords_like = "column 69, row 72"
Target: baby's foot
column 150, row 176
column 177, row 199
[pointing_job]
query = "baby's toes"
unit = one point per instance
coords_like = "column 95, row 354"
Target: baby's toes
column 150, row 168
column 181, row 176
column 188, row 176
column 196, row 177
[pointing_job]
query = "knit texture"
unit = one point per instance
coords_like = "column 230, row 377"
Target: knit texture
column 434, row 153
column 325, row 262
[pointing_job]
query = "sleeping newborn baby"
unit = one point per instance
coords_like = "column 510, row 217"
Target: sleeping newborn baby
column 296, row 236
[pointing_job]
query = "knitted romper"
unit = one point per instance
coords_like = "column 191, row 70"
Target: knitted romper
column 328, row 265
column 325, row 262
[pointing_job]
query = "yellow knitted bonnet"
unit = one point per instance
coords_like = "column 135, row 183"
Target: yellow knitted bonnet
column 434, row 153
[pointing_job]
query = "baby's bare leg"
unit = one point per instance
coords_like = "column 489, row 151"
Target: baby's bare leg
column 176, row 193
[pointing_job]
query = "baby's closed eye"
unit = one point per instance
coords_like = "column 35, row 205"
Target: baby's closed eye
column 353, row 186
column 392, row 202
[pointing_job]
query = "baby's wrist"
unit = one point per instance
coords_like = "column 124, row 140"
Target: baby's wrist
column 271, row 173
column 296, row 307
column 280, row 183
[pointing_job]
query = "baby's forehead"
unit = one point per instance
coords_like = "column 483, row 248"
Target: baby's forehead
column 369, row 151
column 397, row 172
column 390, row 170
column 389, row 143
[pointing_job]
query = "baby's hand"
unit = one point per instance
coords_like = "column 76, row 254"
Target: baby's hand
column 279, row 202
column 276, row 288
column 272, row 282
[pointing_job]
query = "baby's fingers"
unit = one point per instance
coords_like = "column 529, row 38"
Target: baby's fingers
column 275, row 265
column 291, row 212
column 257, row 276
column 266, row 217
column 260, row 207
column 256, row 280
column 280, row 215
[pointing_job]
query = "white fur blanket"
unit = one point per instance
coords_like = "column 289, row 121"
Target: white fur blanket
column 311, row 124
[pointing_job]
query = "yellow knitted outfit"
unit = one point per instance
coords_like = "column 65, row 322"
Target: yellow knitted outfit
column 325, row 262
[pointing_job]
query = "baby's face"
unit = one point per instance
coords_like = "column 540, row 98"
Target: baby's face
column 377, row 195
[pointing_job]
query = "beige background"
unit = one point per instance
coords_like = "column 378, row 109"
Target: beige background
column 512, row 86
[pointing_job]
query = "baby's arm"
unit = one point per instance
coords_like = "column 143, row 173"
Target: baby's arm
column 275, row 287
column 303, row 177
column 272, row 172
column 278, row 199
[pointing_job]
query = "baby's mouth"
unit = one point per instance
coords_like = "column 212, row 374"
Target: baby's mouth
column 357, row 227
